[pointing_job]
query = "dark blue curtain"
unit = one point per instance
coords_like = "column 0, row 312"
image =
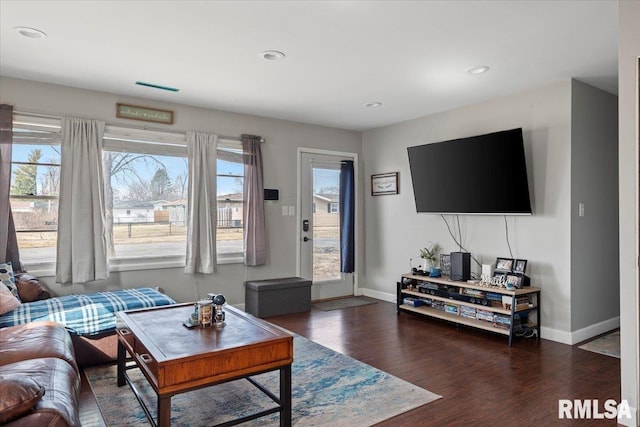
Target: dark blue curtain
column 347, row 217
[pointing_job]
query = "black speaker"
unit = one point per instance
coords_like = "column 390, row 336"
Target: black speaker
column 460, row 266
column 271, row 194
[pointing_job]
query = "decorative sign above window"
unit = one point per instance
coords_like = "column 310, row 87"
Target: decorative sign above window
column 135, row 112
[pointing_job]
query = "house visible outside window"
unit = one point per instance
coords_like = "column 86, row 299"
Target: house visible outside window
column 230, row 182
column 146, row 200
column 147, row 196
column 145, row 186
column 35, row 186
column 333, row 207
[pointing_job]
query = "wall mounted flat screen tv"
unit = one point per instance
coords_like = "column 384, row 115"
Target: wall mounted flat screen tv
column 484, row 174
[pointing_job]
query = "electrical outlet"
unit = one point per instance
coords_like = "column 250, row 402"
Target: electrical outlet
column 580, row 209
column 285, row 211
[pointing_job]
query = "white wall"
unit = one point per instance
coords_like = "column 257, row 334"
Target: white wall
column 595, row 279
column 628, row 53
column 279, row 157
column 395, row 232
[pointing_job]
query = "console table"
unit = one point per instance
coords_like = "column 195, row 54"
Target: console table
column 491, row 308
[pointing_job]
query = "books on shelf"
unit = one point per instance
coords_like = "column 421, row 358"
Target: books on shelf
column 484, row 315
column 468, row 312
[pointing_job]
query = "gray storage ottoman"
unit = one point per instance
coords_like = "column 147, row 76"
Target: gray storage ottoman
column 273, row 297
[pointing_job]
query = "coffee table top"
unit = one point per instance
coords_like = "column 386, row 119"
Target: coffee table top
column 165, row 338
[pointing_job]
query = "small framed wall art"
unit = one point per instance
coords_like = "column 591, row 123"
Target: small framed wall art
column 384, row 183
column 136, row 112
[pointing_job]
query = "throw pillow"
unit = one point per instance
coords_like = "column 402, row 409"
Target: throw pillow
column 30, row 288
column 19, row 395
column 7, row 301
column 6, row 277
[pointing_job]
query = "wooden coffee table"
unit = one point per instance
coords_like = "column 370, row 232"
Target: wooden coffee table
column 175, row 359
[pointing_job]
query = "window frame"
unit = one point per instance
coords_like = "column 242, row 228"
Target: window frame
column 42, row 131
column 114, row 137
column 120, row 138
column 231, row 151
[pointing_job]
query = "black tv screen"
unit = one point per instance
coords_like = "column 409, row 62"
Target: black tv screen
column 484, row 174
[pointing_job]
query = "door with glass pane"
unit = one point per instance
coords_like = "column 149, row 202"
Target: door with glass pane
column 319, row 233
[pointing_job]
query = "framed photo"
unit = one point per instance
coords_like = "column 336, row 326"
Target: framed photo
column 499, row 279
column 520, row 266
column 384, row 183
column 445, row 264
column 514, row 280
column 504, row 264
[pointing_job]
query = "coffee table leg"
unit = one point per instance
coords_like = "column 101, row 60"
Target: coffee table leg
column 285, row 396
column 164, row 411
column 122, row 358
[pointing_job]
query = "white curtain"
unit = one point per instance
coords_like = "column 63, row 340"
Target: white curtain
column 82, row 248
column 201, row 228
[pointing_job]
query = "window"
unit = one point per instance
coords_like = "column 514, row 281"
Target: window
column 230, row 183
column 145, row 186
column 35, row 180
column 333, row 207
column 146, row 195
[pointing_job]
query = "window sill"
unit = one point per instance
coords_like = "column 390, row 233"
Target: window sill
column 133, row 264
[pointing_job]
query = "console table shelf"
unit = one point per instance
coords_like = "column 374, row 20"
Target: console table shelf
column 489, row 308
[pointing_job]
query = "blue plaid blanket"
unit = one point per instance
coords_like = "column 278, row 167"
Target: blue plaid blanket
column 86, row 314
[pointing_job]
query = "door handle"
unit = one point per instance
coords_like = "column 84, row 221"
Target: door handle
column 306, row 239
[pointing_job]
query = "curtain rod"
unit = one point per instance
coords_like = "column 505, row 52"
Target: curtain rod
column 51, row 116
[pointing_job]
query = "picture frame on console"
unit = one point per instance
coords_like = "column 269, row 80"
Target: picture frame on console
column 504, row 264
column 445, row 264
column 515, row 280
column 520, row 266
column 499, row 278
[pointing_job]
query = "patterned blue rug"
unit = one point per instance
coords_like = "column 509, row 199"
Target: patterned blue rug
column 608, row 344
column 328, row 388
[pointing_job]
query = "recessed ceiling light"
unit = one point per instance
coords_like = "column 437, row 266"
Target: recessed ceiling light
column 32, row 33
column 272, row 55
column 478, row 70
column 375, row 104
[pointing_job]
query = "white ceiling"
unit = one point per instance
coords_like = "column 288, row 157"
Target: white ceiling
column 410, row 55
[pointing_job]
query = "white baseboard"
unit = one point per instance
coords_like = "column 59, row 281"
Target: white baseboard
column 556, row 335
column 239, row 306
column 595, row 329
column 384, row 296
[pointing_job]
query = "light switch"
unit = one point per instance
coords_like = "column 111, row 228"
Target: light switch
column 292, row 210
column 285, row 210
column 580, row 209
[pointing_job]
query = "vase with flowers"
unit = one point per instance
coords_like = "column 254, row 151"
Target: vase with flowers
column 429, row 254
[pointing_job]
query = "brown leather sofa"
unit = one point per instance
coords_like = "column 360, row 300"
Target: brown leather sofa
column 39, row 377
column 90, row 351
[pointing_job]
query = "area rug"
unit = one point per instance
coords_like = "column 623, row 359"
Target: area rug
column 337, row 304
column 608, row 344
column 328, row 388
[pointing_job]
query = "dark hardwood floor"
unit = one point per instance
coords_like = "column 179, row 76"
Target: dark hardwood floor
column 481, row 379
